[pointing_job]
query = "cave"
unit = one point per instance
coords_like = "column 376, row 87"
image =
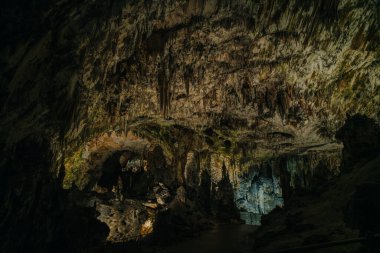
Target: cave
column 190, row 126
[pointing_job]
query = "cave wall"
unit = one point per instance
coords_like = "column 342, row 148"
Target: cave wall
column 219, row 181
column 267, row 77
column 271, row 183
column 36, row 215
column 345, row 208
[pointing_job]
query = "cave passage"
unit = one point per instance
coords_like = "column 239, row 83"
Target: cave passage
column 224, row 126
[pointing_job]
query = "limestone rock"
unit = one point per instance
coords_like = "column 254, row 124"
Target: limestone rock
column 162, row 193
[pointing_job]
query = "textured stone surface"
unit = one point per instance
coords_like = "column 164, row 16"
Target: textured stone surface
column 204, row 90
column 256, row 196
column 342, row 208
column 126, row 221
column 264, row 187
column 243, row 63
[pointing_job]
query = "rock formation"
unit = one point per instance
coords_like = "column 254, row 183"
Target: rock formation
column 144, row 116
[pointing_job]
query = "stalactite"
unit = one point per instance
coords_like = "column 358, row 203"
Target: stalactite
column 188, row 76
column 270, row 183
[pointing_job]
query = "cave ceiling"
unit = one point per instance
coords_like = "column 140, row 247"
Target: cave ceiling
column 265, row 68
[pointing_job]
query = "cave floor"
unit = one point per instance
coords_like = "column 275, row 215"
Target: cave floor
column 222, row 238
column 231, row 238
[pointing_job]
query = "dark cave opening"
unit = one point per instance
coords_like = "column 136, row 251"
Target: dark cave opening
column 127, row 172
